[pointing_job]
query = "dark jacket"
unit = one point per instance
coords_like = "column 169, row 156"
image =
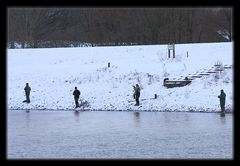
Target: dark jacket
column 137, row 91
column 27, row 89
column 76, row 93
column 222, row 97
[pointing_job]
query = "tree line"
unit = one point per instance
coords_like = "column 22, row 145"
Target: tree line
column 64, row 27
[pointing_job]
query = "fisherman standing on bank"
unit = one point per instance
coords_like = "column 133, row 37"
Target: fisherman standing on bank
column 76, row 94
column 136, row 94
column 27, row 90
column 222, row 98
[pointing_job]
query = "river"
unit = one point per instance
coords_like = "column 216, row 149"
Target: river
column 118, row 135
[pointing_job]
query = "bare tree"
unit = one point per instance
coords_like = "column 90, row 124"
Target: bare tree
column 50, row 27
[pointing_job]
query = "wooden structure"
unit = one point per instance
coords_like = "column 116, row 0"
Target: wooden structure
column 171, row 46
column 187, row 80
column 175, row 83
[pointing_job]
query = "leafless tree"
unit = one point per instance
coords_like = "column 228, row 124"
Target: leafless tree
column 55, row 27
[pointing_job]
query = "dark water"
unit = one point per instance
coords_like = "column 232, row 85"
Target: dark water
column 118, row 135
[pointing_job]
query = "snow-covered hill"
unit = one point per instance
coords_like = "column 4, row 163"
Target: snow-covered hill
column 54, row 72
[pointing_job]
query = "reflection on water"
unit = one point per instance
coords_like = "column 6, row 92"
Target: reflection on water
column 124, row 135
column 27, row 118
column 223, row 119
column 137, row 118
column 137, row 115
column 76, row 113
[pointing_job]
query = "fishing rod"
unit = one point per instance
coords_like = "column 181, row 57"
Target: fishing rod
column 155, row 98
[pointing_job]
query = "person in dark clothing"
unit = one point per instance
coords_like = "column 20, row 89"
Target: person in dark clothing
column 27, row 90
column 76, row 94
column 136, row 94
column 222, row 98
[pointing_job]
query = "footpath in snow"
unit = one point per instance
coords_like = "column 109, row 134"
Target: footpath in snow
column 52, row 74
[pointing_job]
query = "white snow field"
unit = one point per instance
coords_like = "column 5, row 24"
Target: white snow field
column 52, row 74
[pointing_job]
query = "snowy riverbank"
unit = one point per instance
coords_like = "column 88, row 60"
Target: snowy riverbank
column 54, row 72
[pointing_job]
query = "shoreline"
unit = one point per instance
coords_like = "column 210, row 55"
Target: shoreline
column 114, row 110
